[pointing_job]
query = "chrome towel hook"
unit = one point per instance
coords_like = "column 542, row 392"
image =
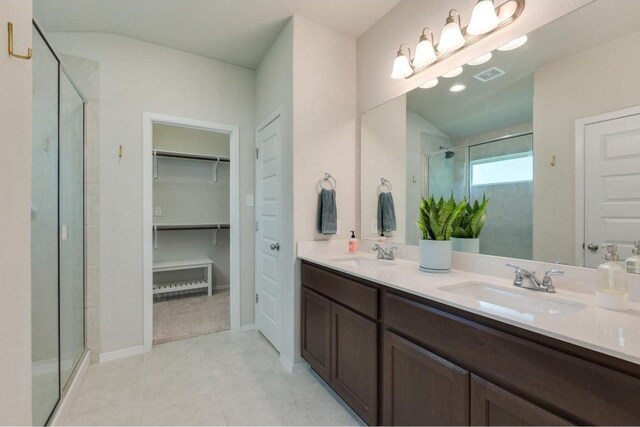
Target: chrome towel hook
column 384, row 182
column 329, row 179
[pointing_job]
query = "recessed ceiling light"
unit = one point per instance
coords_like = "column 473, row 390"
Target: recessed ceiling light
column 513, row 44
column 430, row 84
column 481, row 59
column 457, row 88
column 453, row 73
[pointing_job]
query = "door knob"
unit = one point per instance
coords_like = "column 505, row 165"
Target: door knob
column 593, row 247
column 275, row 246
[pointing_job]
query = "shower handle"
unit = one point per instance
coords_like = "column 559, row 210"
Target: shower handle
column 275, row 246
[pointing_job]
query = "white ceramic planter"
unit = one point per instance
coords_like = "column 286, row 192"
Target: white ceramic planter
column 435, row 256
column 465, row 245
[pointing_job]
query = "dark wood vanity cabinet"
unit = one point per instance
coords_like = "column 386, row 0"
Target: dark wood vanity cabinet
column 339, row 342
column 399, row 359
column 420, row 388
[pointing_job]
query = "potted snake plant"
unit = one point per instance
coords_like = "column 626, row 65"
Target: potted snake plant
column 468, row 225
column 436, row 224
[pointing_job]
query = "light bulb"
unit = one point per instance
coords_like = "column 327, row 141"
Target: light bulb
column 507, row 10
column 513, row 44
column 451, row 37
column 481, row 59
column 430, row 84
column 425, row 52
column 453, row 73
column 401, row 66
column 483, row 18
column 457, row 88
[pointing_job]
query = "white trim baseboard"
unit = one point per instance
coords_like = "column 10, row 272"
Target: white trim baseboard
column 291, row 367
column 119, row 354
column 249, row 327
column 61, row 413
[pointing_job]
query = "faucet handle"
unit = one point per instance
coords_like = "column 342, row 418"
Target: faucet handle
column 375, row 247
column 513, row 266
column 554, row 273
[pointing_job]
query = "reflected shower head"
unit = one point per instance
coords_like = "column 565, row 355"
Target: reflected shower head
column 449, row 154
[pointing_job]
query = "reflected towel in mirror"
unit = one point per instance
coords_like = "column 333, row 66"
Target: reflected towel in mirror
column 327, row 212
column 386, row 212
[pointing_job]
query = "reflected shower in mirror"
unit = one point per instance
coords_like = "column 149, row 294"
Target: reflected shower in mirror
column 548, row 132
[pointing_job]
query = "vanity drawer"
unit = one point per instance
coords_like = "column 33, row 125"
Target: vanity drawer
column 359, row 297
column 576, row 389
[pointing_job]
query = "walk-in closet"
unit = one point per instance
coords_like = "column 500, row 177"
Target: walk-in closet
column 191, row 226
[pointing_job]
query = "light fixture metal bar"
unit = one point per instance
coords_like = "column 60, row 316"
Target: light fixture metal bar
column 516, row 14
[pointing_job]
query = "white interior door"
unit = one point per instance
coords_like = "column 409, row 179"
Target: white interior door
column 612, row 187
column 269, row 231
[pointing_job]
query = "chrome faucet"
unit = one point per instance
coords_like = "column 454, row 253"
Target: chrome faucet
column 528, row 280
column 384, row 253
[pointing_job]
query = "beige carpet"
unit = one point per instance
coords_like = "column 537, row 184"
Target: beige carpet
column 189, row 316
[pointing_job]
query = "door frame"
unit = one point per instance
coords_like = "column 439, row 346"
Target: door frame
column 273, row 116
column 148, row 120
column 580, row 199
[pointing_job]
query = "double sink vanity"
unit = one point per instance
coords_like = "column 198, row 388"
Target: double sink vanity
column 402, row 347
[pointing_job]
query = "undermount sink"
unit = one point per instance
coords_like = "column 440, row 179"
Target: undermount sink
column 514, row 302
column 363, row 262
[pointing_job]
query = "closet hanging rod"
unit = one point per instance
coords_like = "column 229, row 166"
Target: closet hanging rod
column 168, row 227
column 180, row 155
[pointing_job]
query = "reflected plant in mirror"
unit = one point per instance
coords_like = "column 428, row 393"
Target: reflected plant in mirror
column 468, row 226
column 549, row 131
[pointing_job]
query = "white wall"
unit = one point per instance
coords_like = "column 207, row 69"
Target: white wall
column 560, row 99
column 383, row 132
column 324, row 140
column 15, row 227
column 298, row 75
column 136, row 77
column 404, row 23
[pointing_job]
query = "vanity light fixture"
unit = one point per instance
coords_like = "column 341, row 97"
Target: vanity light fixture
column 481, row 59
column 425, row 50
column 485, row 20
column 451, row 37
column 430, row 84
column 402, row 67
column 453, row 73
column 457, row 88
column 513, row 44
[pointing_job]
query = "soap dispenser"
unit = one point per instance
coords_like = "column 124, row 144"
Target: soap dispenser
column 613, row 290
column 353, row 243
column 633, row 262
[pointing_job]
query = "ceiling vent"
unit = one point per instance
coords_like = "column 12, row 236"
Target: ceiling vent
column 490, row 74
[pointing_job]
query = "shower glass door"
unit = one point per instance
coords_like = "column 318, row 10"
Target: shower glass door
column 57, row 230
column 71, row 228
column 44, row 233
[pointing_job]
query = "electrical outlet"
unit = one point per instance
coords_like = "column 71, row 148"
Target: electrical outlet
column 374, row 226
column 158, row 210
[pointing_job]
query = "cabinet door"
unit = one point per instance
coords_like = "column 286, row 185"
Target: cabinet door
column 354, row 373
column 421, row 388
column 316, row 332
column 494, row 406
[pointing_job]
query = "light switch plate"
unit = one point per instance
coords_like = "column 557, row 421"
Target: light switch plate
column 374, row 226
column 158, row 211
column 249, row 199
column 338, row 227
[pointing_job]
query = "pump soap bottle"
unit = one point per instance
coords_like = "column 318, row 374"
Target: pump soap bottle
column 633, row 262
column 612, row 291
column 353, row 243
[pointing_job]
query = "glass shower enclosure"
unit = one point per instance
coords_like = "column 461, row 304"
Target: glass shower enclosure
column 57, row 229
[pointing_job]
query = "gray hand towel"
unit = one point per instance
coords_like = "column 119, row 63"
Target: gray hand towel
column 386, row 212
column 327, row 212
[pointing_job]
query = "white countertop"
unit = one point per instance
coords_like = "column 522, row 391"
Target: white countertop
column 610, row 332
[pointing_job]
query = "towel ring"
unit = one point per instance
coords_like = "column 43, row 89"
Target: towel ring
column 384, row 183
column 329, row 180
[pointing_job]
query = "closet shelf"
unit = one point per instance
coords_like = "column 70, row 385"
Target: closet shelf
column 182, row 285
column 167, row 227
column 192, row 156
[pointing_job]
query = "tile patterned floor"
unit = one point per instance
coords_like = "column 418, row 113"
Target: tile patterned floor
column 218, row 379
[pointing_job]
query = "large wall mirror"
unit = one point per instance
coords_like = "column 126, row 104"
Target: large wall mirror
column 548, row 132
